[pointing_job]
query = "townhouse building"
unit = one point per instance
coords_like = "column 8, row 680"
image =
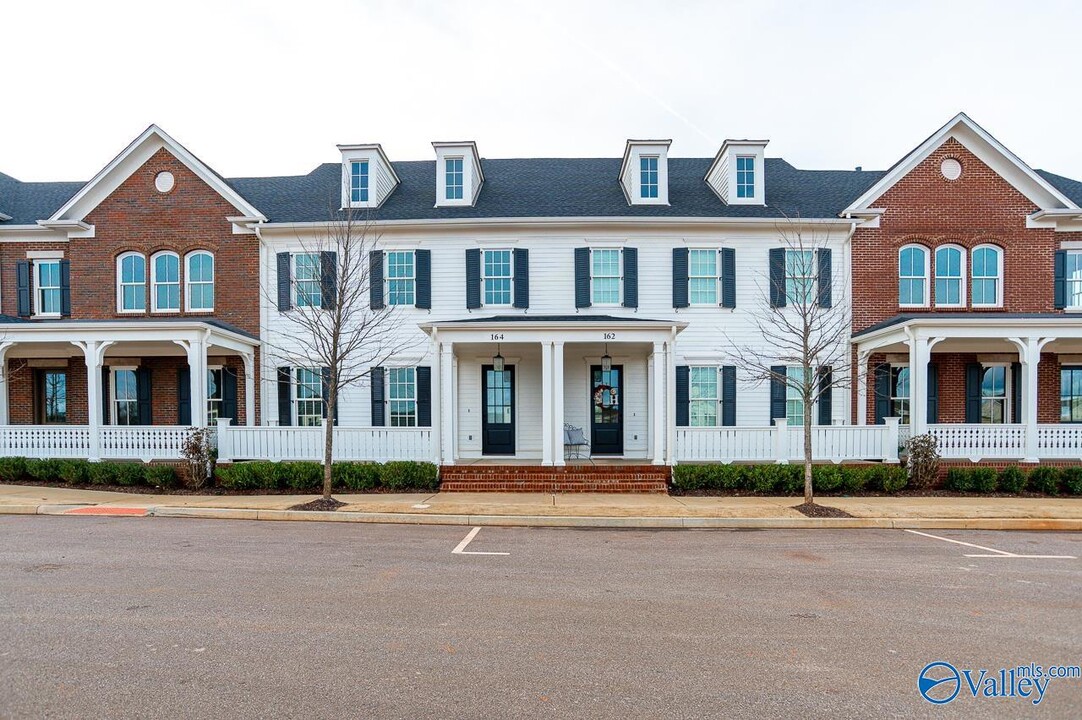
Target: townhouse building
column 613, row 296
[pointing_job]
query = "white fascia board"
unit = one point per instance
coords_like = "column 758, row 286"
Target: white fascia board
column 972, row 327
column 371, row 147
column 926, row 148
column 148, row 330
column 122, row 166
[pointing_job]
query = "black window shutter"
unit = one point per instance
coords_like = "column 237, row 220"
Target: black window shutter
column 285, row 396
column 22, row 280
column 683, row 395
column 376, row 377
column 824, row 276
column 680, row 277
column 325, row 393
column 631, row 277
column 473, row 278
column 424, row 396
column 328, row 279
column 777, row 392
column 728, row 278
column 728, row 395
column 142, row 395
column 105, row 375
column 1061, row 279
column 522, row 277
column 933, row 393
column 826, row 390
column 973, row 392
column 65, row 288
column 423, row 265
column 184, row 395
column 285, row 299
column 582, row 277
column 882, row 392
column 229, row 396
column 1016, row 392
column 777, row 277
column 375, row 279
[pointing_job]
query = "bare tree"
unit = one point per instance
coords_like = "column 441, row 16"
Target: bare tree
column 801, row 343
column 335, row 330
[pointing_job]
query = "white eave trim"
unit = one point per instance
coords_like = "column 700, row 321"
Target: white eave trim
column 448, row 326
column 4, row 218
column 1025, row 325
column 12, row 330
column 379, row 150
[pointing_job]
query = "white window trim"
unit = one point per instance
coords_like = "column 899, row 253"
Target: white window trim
column 368, row 173
column 113, row 369
column 717, row 400
column 927, row 272
column 999, row 277
column 188, row 281
column 813, row 277
column 717, row 278
column 447, row 187
column 1067, row 285
column 221, row 389
column 619, row 277
column 484, row 277
column 120, row 285
column 295, row 290
column 36, row 286
column 154, row 283
column 1007, row 404
column 789, row 388
column 296, row 383
column 963, row 296
column 657, row 172
column 754, row 174
column 892, row 397
column 416, row 414
column 413, row 278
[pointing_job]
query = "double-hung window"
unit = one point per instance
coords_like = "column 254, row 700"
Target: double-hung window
column 401, row 277
column 987, row 276
column 358, row 181
column 214, row 394
column 703, row 277
column 453, row 178
column 1074, row 279
column 606, row 276
column 913, row 276
column 54, row 397
column 745, row 176
column 165, row 282
column 497, row 277
column 309, row 391
column 949, row 277
column 200, row 280
column 899, row 392
column 800, row 276
column 994, row 394
column 704, row 397
column 1070, row 394
column 307, row 288
column 794, row 397
column 47, row 290
column 402, row 396
column 648, row 178
column 132, row 283
column 125, row 397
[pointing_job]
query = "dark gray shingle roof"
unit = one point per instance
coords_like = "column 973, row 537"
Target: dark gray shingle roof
column 28, row 202
column 1067, row 186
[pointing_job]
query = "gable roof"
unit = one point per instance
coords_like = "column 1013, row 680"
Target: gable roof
column 977, row 140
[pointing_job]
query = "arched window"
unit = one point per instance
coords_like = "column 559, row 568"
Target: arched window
column 199, row 278
column 131, row 275
column 165, row 282
column 913, row 276
column 987, row 281
column 950, row 276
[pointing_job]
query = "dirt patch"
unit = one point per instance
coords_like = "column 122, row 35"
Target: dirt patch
column 320, row 505
column 816, row 510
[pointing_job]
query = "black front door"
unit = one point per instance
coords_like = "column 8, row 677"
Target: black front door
column 607, row 414
column 498, row 422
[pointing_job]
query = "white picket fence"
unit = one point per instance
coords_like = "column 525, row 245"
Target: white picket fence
column 376, row 444
column 782, row 443
column 115, row 442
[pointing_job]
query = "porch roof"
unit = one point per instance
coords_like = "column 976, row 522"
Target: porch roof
column 976, row 325
column 539, row 328
column 167, row 329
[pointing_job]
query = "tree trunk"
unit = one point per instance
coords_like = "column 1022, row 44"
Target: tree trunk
column 328, row 443
column 808, row 496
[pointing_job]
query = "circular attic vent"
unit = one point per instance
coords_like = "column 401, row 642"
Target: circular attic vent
column 164, row 182
column 951, row 169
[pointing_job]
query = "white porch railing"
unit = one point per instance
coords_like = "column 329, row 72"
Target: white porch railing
column 977, row 442
column 1059, row 441
column 45, row 441
column 143, row 442
column 375, row 444
column 782, row 443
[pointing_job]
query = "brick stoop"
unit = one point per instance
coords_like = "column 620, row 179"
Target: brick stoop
column 565, row 479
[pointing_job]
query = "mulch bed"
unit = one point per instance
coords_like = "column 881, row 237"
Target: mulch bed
column 815, row 510
column 320, row 505
column 181, row 490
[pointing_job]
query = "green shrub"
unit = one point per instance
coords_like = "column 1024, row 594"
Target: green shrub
column 248, row 476
column 959, row 480
column 762, row 479
column 1071, row 479
column 983, row 480
column 12, row 468
column 73, row 472
column 302, row 476
column 887, row 478
column 855, row 479
column 1044, row 479
column 47, row 470
column 1012, row 480
column 160, row 476
column 102, row 473
column 355, row 476
column 130, row 473
column 827, row 478
column 406, row 475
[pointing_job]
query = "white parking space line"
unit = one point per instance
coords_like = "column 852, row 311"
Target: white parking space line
column 993, row 553
column 461, row 548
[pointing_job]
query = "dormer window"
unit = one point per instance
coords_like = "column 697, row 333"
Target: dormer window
column 737, row 173
column 459, row 176
column 358, row 181
column 368, row 177
column 454, row 178
column 745, row 176
column 644, row 174
column 648, row 176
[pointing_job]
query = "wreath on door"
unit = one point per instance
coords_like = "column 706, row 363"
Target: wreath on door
column 603, row 393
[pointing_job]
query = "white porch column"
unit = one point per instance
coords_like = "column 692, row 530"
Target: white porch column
column 547, row 440
column 447, row 410
column 196, row 351
column 919, row 352
column 1029, row 354
column 657, row 417
column 558, row 402
column 437, row 396
column 669, row 417
column 93, row 354
column 5, row 416
column 249, row 388
column 862, row 386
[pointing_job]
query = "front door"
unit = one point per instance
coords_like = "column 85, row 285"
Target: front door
column 498, row 421
column 607, row 415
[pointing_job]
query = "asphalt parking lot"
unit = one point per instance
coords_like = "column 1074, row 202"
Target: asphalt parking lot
column 157, row 617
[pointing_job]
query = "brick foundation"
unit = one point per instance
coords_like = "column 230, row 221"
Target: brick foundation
column 565, row 479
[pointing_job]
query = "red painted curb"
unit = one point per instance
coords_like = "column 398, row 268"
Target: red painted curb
column 99, row 510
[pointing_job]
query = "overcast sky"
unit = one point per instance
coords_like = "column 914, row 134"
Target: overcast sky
column 261, row 87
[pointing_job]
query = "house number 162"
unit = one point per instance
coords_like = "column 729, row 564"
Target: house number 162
column 610, row 336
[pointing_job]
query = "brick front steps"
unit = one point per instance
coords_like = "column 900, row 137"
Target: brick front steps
column 566, row 479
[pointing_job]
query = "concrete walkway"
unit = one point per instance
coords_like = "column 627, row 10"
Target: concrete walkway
column 594, row 510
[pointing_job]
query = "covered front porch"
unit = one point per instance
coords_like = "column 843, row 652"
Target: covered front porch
column 120, row 390
column 987, row 386
column 519, row 389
